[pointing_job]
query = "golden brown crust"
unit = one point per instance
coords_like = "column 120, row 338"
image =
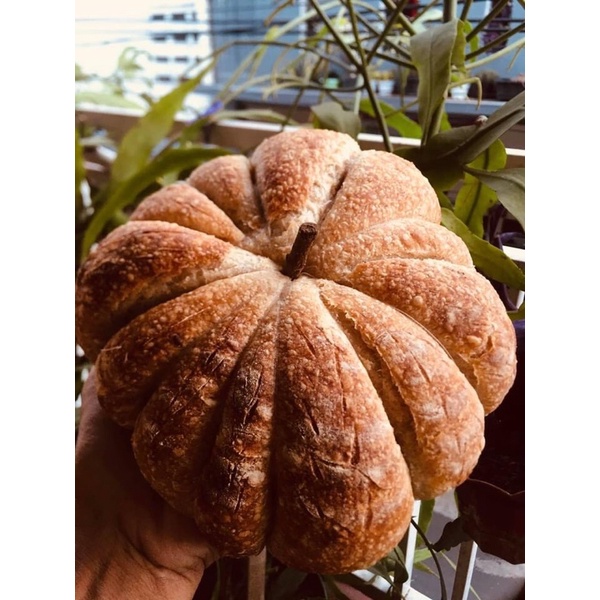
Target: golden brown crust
column 340, row 481
column 297, row 174
column 435, row 412
column 138, row 356
column 175, row 432
column 459, row 307
column 227, row 181
column 182, row 204
column 145, row 263
column 234, row 500
column 305, row 415
column 295, row 169
column 406, row 238
column 378, row 187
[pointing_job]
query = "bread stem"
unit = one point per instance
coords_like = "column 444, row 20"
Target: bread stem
column 295, row 261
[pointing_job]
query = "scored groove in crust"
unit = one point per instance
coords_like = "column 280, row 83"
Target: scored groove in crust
column 146, row 263
column 418, row 384
column 177, row 430
column 235, row 498
column 133, row 361
column 342, row 477
column 459, row 307
column 184, row 205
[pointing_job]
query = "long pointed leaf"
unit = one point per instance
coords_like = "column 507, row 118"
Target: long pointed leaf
column 491, row 261
column 474, row 198
column 139, row 142
column 330, row 115
column 483, row 136
column 442, row 159
column 473, row 201
column 426, row 514
column 79, row 174
column 432, row 53
column 464, row 144
column 128, row 191
column 509, row 185
column 396, row 119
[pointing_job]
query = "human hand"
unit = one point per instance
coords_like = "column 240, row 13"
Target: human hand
column 129, row 542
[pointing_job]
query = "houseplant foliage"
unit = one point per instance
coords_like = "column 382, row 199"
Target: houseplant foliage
column 466, row 165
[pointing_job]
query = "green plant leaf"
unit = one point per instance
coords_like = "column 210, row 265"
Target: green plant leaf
column 464, row 144
column 270, row 116
column 457, row 59
column 330, row 115
column 426, row 514
column 396, row 119
column 79, row 174
column 474, row 41
column 128, row 191
column 421, row 566
column 127, row 62
column 139, row 142
column 474, row 199
column 519, row 314
column 509, row 185
column 421, row 554
column 491, row 261
column 444, row 201
column 443, row 157
column 431, row 52
column 443, row 174
column 382, row 571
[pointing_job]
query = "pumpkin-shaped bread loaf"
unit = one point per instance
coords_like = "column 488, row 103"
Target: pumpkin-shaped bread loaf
column 293, row 395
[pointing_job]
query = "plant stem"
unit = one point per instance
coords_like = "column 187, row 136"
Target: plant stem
column 383, row 128
column 397, row 47
column 295, row 261
column 449, row 10
column 496, row 10
column 483, row 61
column 388, row 26
column 465, row 11
column 498, row 40
column 434, row 556
column 406, row 24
